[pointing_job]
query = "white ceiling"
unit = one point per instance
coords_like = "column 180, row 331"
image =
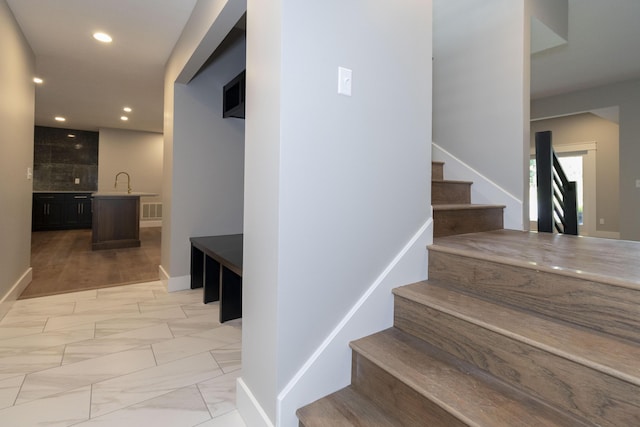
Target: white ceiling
column 90, row 83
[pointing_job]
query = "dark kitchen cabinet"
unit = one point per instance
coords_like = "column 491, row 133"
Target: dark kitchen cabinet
column 78, row 210
column 48, row 211
column 61, row 211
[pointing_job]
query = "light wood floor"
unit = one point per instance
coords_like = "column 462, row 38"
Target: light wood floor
column 63, row 261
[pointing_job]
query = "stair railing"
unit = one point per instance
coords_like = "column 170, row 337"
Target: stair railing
column 557, row 196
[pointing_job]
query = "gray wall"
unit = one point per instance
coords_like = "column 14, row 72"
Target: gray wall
column 626, row 95
column 17, row 67
column 588, row 127
column 335, row 186
column 481, row 82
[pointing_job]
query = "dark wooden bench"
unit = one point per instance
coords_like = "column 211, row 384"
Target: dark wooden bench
column 216, row 266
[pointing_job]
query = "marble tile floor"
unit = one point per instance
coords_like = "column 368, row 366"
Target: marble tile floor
column 131, row 355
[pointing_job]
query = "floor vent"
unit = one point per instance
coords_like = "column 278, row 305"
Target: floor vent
column 151, row 210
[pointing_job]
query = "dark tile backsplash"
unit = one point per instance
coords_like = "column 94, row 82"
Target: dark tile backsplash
column 59, row 159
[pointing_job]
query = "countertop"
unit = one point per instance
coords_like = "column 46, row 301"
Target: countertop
column 122, row 194
column 63, row 192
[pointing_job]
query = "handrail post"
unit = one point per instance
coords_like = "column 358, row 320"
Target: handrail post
column 544, row 177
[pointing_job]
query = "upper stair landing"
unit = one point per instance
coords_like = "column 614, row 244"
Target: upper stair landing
column 615, row 262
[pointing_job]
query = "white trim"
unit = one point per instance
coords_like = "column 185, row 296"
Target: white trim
column 483, row 190
column 606, row 235
column 249, row 408
column 10, row 297
column 173, row 284
column 329, row 367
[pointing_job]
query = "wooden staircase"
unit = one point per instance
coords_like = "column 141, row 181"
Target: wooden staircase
column 453, row 212
column 511, row 329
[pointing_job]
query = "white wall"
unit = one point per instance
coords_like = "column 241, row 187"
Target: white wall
column 17, row 103
column 187, row 193
column 481, row 90
column 626, row 95
column 337, row 189
column 137, row 153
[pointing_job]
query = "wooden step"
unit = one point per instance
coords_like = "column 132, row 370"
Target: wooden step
column 466, row 218
column 588, row 374
column 446, row 192
column 594, row 283
column 437, row 170
column 422, row 386
column 344, row 408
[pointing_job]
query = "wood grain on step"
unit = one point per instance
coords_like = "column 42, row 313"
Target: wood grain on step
column 462, row 218
column 602, row 307
column 412, row 379
column 570, row 386
column 611, row 261
column 344, row 408
column 437, row 170
column 450, row 192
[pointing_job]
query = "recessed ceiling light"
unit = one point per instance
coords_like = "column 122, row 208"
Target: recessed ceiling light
column 37, row 80
column 71, row 135
column 60, row 119
column 102, row 37
column 124, row 118
column 127, row 109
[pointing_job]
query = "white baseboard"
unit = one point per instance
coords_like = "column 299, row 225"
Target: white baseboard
column 249, row 408
column 606, row 234
column 174, row 284
column 10, row 297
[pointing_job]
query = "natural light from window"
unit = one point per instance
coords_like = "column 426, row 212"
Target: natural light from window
column 572, row 166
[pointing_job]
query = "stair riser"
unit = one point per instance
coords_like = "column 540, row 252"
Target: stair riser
column 437, row 170
column 609, row 309
column 397, row 398
column 450, row 222
column 447, row 192
column 570, row 386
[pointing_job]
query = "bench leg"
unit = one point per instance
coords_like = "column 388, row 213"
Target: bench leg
column 211, row 280
column 197, row 268
column 230, row 295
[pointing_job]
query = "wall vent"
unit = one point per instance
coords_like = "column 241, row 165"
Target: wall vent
column 152, row 211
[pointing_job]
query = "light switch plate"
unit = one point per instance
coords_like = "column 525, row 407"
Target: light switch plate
column 344, row 81
column 76, row 181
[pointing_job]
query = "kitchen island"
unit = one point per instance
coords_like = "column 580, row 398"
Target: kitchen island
column 116, row 220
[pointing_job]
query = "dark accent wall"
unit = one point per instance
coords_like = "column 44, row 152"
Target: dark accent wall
column 59, row 159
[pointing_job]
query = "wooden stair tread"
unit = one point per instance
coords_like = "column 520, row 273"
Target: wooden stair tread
column 465, row 206
column 344, row 408
column 451, row 181
column 613, row 262
column 474, row 397
column 580, row 345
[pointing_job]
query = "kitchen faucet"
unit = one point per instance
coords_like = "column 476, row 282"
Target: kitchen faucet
column 128, row 181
